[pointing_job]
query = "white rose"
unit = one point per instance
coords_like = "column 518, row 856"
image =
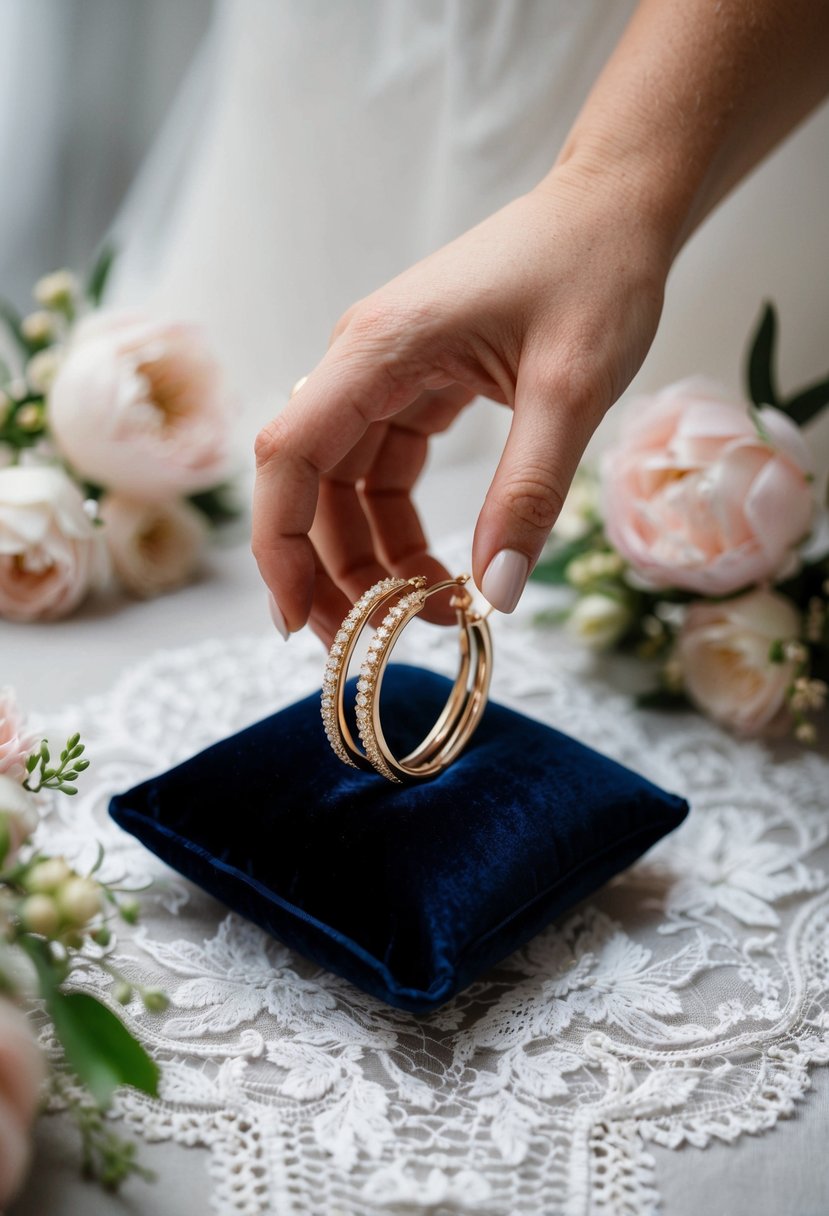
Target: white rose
column 18, row 817
column 21, row 1072
column 154, row 547
column 50, row 552
column 724, row 650
column 137, row 407
column 598, row 621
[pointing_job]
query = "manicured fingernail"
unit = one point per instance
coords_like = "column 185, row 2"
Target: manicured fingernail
column 277, row 617
column 504, row 579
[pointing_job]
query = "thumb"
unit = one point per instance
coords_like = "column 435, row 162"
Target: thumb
column 551, row 424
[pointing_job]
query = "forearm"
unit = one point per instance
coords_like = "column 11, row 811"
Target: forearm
column 695, row 94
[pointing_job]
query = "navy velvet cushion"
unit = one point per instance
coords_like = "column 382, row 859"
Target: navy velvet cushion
column 408, row 891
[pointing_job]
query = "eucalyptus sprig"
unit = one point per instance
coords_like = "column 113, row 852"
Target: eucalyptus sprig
column 44, row 776
column 51, row 914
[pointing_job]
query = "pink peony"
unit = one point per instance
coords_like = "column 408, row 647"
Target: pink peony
column 699, row 495
column 137, row 406
column 21, row 1071
column 51, row 553
column 723, row 650
column 16, row 743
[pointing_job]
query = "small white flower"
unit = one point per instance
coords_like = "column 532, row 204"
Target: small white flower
column 56, row 290
column 795, row 652
column 42, row 369
column 79, row 899
column 805, row 733
column 598, row 621
column 39, row 914
column 38, row 326
column 48, row 875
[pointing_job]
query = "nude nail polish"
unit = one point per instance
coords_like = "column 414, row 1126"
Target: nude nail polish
column 505, row 578
column 277, row 617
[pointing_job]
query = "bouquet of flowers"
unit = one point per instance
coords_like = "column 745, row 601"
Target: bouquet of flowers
column 52, row 917
column 114, row 447
column 701, row 545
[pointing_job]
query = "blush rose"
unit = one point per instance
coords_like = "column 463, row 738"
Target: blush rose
column 724, row 655
column 154, row 547
column 701, row 495
column 21, row 1072
column 16, row 742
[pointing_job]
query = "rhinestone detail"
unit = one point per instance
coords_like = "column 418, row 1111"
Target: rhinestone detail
column 380, row 644
column 338, row 656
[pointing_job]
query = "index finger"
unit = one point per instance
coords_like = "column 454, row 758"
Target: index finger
column 318, row 427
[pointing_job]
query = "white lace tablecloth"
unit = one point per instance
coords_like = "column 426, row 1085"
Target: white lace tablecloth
column 684, row 1004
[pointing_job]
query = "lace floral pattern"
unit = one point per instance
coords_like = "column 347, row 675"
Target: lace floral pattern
column 686, row 1001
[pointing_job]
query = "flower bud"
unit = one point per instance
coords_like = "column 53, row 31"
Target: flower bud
column 38, row 327
column 155, row 1001
column 102, row 936
column 42, row 369
column 129, row 909
column 31, row 417
column 57, row 290
column 122, row 993
column 598, row 621
column 39, row 914
column 47, row 875
column 79, row 900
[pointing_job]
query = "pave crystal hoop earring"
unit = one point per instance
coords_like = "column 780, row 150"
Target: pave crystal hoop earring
column 464, row 706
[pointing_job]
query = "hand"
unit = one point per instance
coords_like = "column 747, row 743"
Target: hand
column 549, row 307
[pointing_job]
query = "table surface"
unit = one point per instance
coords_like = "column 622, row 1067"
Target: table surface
column 780, row 1170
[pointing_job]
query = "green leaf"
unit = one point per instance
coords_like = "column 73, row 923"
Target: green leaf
column 808, row 403
column 760, row 371
column 219, row 505
column 661, row 698
column 99, row 1048
column 551, row 569
column 96, row 284
column 10, row 317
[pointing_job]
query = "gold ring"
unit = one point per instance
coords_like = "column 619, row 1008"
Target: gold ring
column 464, row 707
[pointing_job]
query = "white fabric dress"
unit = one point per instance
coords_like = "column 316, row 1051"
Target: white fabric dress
column 321, row 146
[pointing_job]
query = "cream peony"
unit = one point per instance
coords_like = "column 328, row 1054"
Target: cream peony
column 700, row 496
column 723, row 650
column 16, row 742
column 137, row 407
column 21, row 1072
column 154, row 547
column 50, row 552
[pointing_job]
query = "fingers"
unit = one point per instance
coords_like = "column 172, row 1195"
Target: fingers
column 354, row 385
column 552, row 423
column 395, row 525
column 341, row 533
